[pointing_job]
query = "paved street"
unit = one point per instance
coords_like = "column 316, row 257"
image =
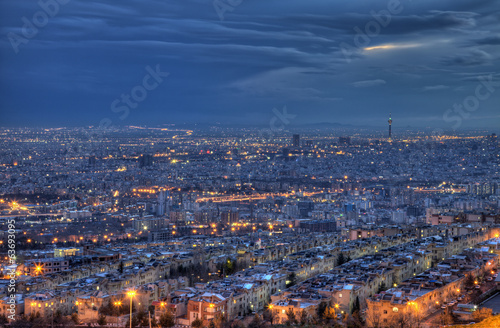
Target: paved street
column 493, row 304
column 432, row 320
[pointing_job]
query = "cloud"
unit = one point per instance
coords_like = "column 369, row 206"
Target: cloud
column 492, row 40
column 475, row 57
column 368, row 83
column 435, row 87
column 392, row 46
column 262, row 55
column 286, row 83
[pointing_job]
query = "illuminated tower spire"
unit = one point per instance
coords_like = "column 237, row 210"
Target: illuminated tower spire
column 390, row 125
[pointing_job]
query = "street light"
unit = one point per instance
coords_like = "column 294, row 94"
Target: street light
column 335, row 308
column 131, row 294
column 416, row 310
column 117, row 304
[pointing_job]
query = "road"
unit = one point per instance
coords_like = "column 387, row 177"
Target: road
column 432, row 320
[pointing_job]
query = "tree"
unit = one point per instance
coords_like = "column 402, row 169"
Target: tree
column 355, row 321
column 292, row 280
column 340, row 259
column 107, row 309
column 101, row 321
column 446, row 318
column 469, row 281
column 228, row 267
column 303, row 317
column 401, row 320
column 356, row 306
column 256, row 322
column 220, row 321
column 136, row 320
column 481, row 314
column 3, row 320
column 74, row 318
column 382, row 287
column 320, row 311
column 197, row 323
column 154, row 322
column 269, row 315
column 143, row 318
column 24, row 322
column 167, row 320
column 290, row 315
column 372, row 317
column 57, row 316
column 237, row 324
column 330, row 314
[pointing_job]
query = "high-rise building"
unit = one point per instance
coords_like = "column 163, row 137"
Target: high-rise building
column 345, row 140
column 390, row 125
column 162, row 203
column 92, row 161
column 145, row 160
column 150, row 224
column 296, row 140
column 228, row 217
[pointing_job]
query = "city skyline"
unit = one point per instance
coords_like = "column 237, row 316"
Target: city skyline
column 249, row 163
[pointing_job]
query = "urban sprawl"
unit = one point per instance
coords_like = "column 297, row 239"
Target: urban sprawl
column 223, row 227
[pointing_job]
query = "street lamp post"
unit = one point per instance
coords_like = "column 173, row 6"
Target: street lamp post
column 335, row 308
column 416, row 311
column 131, row 294
column 118, row 304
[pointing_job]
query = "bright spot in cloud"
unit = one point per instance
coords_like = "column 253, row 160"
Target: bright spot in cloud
column 392, row 46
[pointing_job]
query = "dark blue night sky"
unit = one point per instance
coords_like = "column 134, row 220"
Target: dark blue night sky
column 428, row 62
